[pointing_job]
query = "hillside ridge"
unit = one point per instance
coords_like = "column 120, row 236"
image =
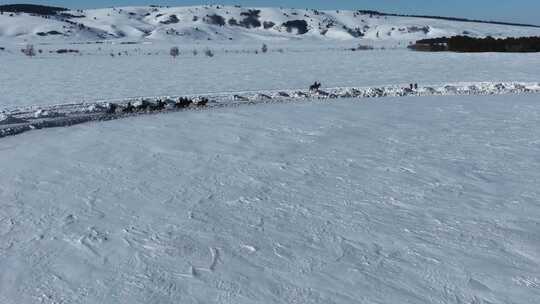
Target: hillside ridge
column 217, row 22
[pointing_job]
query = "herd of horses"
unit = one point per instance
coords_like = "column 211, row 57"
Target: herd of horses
column 158, row 105
column 185, row 102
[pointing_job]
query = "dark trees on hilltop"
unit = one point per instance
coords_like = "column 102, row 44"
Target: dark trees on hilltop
column 467, row 44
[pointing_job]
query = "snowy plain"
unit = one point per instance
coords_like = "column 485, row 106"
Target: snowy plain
column 143, row 67
column 65, row 79
column 430, row 199
column 394, row 200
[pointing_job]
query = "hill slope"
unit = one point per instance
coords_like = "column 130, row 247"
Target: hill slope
column 224, row 23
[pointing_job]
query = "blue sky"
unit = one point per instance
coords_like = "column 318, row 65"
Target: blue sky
column 524, row 11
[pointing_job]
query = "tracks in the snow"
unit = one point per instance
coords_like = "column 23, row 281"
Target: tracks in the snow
column 16, row 121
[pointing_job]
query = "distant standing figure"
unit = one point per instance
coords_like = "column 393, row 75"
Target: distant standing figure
column 411, row 86
column 416, row 86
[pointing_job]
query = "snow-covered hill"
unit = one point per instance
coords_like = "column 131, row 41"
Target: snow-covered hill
column 224, row 23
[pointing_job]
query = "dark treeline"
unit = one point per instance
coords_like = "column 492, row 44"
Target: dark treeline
column 476, row 45
column 31, row 9
column 434, row 40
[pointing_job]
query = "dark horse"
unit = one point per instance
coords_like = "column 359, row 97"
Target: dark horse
column 183, row 102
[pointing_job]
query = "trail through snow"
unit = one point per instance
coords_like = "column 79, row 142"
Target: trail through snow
column 17, row 121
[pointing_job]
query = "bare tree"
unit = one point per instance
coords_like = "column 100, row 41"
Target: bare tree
column 174, row 52
column 209, row 53
column 29, row 50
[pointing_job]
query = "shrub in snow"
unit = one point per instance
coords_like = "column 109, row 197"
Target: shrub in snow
column 415, row 29
column 208, row 53
column 264, row 48
column 356, row 32
column 251, row 19
column 233, row 22
column 268, row 24
column 29, row 50
column 172, row 20
column 174, row 52
column 66, row 51
column 301, row 26
column 215, row 20
column 362, row 47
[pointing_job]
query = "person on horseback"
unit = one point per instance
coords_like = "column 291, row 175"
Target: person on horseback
column 315, row 87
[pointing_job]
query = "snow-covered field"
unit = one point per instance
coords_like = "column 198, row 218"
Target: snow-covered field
column 139, row 38
column 393, row 200
column 260, row 190
column 22, row 119
column 66, row 79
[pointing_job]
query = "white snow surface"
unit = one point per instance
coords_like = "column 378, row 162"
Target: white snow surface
column 53, row 79
column 23, row 119
column 393, row 200
column 188, row 24
column 308, row 198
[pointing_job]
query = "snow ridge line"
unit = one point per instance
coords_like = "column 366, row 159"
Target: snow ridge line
column 18, row 121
